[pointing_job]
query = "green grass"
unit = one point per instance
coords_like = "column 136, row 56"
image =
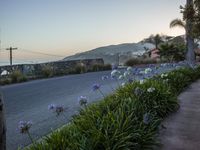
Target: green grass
column 117, row 122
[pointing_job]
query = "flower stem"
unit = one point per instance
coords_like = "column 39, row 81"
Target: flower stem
column 112, row 88
column 118, row 83
column 30, row 137
column 102, row 93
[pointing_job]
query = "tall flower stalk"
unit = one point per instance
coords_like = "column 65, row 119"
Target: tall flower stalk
column 24, row 127
column 105, row 78
column 96, row 87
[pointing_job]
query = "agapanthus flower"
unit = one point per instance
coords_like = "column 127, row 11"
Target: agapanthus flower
column 127, row 74
column 174, row 65
column 96, row 86
column 83, row 100
column 147, row 70
column 141, row 81
column 129, row 69
column 164, row 75
column 104, row 77
column 147, row 118
column 121, row 77
column 151, row 89
column 59, row 109
column 163, row 65
column 51, row 106
column 123, row 84
column 138, row 91
column 24, row 126
column 115, row 74
column 141, row 72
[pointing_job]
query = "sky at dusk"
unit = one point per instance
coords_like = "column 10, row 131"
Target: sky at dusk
column 65, row 27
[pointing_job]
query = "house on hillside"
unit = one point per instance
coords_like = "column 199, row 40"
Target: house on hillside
column 154, row 54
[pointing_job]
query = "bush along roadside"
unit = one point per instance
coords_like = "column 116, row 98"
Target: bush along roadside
column 127, row 119
column 48, row 72
column 15, row 77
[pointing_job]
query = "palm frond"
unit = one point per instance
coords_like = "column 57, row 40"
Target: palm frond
column 177, row 23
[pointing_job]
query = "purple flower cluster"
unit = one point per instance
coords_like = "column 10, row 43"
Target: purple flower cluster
column 96, row 87
column 105, row 78
column 147, row 118
column 58, row 109
column 83, row 100
column 24, row 126
column 138, row 91
column 51, row 106
column 115, row 74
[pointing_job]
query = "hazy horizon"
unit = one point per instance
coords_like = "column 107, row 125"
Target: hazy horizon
column 66, row 27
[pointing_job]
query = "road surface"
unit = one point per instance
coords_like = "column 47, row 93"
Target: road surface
column 30, row 100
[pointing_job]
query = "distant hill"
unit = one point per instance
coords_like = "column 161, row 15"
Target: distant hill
column 110, row 54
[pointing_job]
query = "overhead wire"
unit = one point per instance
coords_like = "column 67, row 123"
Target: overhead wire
column 33, row 52
column 41, row 53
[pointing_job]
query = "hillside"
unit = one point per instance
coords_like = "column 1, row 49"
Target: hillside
column 111, row 53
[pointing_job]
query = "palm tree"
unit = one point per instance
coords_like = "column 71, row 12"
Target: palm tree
column 157, row 40
column 188, row 26
column 172, row 52
column 177, row 23
column 190, row 56
column 154, row 39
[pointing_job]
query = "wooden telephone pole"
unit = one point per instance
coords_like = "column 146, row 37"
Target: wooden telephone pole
column 11, row 49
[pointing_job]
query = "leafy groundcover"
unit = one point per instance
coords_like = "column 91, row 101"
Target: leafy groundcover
column 128, row 119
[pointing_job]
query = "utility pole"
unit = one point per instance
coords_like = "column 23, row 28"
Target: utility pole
column 11, row 49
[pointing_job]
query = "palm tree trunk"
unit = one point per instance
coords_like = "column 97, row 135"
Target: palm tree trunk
column 2, row 125
column 190, row 55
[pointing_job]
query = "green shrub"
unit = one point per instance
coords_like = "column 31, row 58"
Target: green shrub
column 47, row 71
column 5, row 81
column 80, row 69
column 178, row 80
column 101, row 67
column 16, row 77
column 128, row 119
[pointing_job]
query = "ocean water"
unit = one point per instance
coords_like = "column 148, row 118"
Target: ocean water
column 14, row 63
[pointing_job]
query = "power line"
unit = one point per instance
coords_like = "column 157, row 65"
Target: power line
column 21, row 60
column 27, row 51
column 35, row 52
column 41, row 53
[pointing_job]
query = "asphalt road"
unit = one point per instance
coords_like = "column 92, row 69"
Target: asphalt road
column 30, row 100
